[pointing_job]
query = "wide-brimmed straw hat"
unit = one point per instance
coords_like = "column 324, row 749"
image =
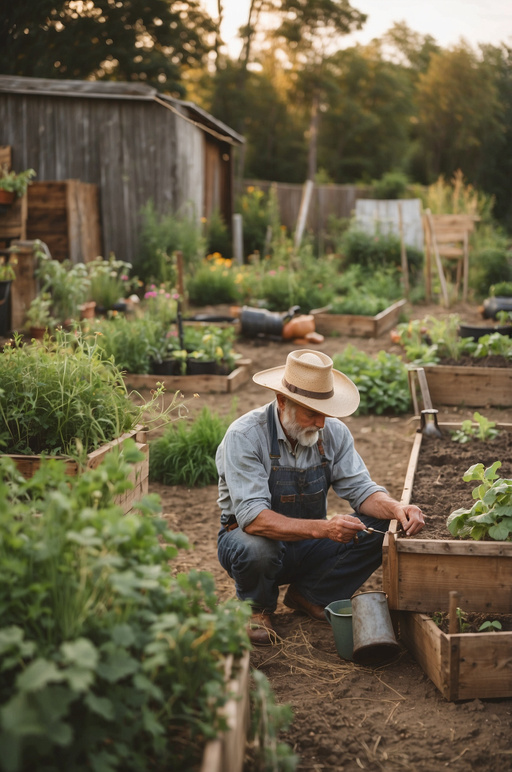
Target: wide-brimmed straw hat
column 308, row 377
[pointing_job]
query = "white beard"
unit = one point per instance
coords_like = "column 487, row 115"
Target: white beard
column 305, row 437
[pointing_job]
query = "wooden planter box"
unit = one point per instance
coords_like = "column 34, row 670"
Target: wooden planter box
column 361, row 326
column 226, row 753
column 464, row 666
column 139, row 474
column 191, row 384
column 472, row 386
column 418, row 574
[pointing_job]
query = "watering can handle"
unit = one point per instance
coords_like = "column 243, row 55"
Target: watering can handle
column 291, row 313
column 327, row 612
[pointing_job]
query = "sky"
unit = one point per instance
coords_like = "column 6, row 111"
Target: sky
column 477, row 21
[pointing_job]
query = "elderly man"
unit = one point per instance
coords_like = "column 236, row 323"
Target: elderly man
column 276, row 464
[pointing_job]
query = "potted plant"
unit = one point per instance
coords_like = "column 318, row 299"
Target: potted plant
column 39, row 318
column 67, row 284
column 108, row 283
column 13, row 185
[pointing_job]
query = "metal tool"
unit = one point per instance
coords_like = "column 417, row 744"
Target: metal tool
column 374, row 530
column 429, row 429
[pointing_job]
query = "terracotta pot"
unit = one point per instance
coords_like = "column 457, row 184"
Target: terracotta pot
column 299, row 326
column 7, row 197
column 87, row 310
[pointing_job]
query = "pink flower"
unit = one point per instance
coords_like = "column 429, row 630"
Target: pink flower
column 150, row 294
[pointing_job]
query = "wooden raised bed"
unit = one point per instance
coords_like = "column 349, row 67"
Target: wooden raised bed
column 191, row 384
column 139, row 474
column 463, row 666
column 361, row 326
column 226, row 753
column 418, row 574
column 472, row 386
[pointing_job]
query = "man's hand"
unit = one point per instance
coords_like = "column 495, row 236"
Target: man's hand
column 343, row 528
column 411, row 519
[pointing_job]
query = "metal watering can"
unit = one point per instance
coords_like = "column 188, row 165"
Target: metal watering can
column 362, row 628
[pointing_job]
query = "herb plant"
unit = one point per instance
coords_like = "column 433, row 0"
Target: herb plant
column 381, row 380
column 483, row 430
column 62, row 397
column 491, row 514
column 185, row 453
column 108, row 661
column 490, row 626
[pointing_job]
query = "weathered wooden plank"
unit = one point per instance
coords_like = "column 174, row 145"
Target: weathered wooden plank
column 354, row 324
column 462, row 666
column 139, row 474
column 191, row 384
column 471, row 386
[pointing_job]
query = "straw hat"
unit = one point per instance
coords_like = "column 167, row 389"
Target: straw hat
column 308, row 378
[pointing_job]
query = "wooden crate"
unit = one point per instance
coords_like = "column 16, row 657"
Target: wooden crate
column 139, row 474
column 226, row 753
column 66, row 216
column 361, row 326
column 418, row 574
column 471, row 386
column 193, row 384
column 463, row 666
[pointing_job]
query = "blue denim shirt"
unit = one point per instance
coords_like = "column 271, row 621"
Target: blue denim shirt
column 243, row 463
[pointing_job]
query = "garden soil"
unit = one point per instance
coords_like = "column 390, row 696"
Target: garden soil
column 348, row 717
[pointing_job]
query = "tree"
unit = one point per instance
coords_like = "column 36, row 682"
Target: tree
column 134, row 40
column 458, row 106
column 367, row 118
column 309, row 28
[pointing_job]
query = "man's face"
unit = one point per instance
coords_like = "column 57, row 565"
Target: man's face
column 301, row 424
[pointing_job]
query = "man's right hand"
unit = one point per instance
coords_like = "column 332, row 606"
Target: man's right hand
column 343, row 528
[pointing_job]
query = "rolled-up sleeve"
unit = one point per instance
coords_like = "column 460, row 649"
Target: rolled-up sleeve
column 243, row 464
column 350, row 479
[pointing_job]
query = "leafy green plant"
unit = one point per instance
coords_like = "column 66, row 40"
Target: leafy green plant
column 217, row 236
column 391, row 185
column 490, row 626
column 39, row 312
column 109, row 281
column 161, row 236
column 253, row 205
column 63, row 397
column 502, row 289
column 491, row 514
column 212, row 282
column 480, row 428
column 268, row 719
column 16, row 182
column 494, row 344
column 381, row 380
column 130, row 343
column 185, row 453
column 462, row 620
column 7, row 272
column 430, row 340
column 108, row 660
column 67, row 283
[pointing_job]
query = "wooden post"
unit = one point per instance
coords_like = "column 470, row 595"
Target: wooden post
column 442, row 279
column 403, row 252
column 180, row 281
column 307, row 192
column 238, row 239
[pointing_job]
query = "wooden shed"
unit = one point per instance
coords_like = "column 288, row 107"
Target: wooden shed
column 134, row 143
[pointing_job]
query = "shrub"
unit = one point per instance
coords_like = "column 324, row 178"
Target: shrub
column 161, row 236
column 185, row 453
column 212, row 282
column 131, row 343
column 217, row 236
column 392, row 185
column 253, row 206
column 107, row 660
column 382, row 380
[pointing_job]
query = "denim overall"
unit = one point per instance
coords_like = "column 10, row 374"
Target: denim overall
column 322, row 570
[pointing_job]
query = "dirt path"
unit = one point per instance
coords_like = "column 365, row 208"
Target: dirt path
column 348, row 717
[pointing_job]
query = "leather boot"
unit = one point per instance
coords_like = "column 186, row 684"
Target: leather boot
column 260, row 630
column 293, row 599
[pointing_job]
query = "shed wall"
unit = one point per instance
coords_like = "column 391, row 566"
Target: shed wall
column 134, row 149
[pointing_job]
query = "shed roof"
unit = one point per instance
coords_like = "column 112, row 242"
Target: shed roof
column 94, row 89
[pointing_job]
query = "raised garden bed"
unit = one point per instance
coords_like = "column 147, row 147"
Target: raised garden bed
column 463, row 666
column 187, row 384
column 472, row 385
column 226, row 753
column 420, row 572
column 139, row 475
column 361, row 326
